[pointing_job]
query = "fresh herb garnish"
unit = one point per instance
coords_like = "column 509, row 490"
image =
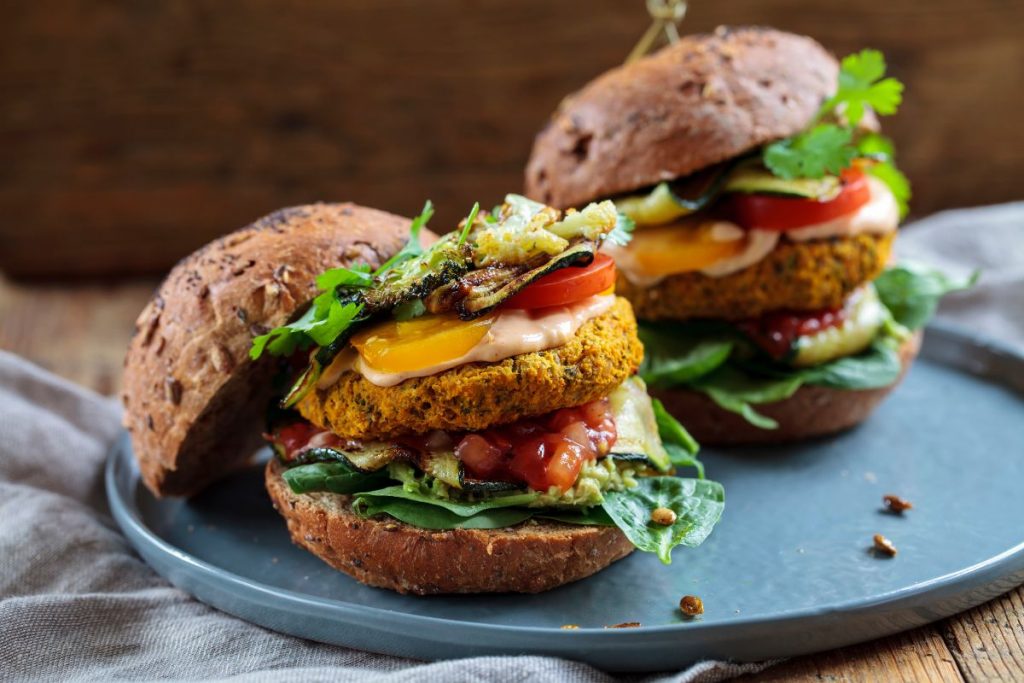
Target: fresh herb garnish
column 861, row 85
column 823, row 149
column 412, row 248
column 327, row 316
column 339, row 304
column 831, row 147
column 470, row 219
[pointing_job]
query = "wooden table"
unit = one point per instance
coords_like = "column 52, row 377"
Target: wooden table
column 81, row 332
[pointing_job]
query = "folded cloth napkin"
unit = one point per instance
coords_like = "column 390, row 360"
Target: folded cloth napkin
column 76, row 603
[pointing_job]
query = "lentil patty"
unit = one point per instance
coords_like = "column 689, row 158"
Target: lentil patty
column 604, row 352
column 805, row 276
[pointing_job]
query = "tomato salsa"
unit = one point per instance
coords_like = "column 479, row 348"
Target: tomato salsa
column 776, row 332
column 541, row 452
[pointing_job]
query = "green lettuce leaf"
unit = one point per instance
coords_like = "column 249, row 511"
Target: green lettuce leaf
column 698, row 504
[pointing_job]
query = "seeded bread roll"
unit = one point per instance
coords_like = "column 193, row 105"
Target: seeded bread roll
column 700, row 101
column 531, row 557
column 810, row 412
column 194, row 402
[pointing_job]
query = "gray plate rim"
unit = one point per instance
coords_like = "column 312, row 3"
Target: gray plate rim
column 996, row 362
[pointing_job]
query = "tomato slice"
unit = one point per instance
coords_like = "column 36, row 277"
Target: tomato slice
column 767, row 212
column 567, row 285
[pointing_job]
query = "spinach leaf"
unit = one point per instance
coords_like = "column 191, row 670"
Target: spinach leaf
column 735, row 390
column 674, row 355
column 428, row 516
column 680, row 457
column 911, row 291
column 592, row 516
column 879, row 366
column 457, row 507
column 335, row 477
column 698, row 504
column 681, row 447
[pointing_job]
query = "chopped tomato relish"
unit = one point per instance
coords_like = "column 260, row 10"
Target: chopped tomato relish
column 541, row 452
column 776, row 332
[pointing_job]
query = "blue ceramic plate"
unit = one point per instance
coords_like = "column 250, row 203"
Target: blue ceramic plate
column 787, row 571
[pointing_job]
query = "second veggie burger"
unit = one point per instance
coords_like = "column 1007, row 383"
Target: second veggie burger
column 765, row 205
column 469, row 419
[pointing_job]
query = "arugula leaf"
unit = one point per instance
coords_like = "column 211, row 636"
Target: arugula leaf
column 431, row 516
column 339, row 305
column 698, row 504
column 861, row 85
column 673, row 355
column 911, row 291
column 335, row 477
column 320, row 324
column 412, row 248
column 470, row 219
column 824, row 148
column 356, row 276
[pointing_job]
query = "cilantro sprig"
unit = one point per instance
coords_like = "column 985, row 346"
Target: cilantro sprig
column 339, row 305
column 828, row 147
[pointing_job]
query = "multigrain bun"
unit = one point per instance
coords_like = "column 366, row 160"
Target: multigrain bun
column 528, row 558
column 702, row 100
column 811, row 411
column 603, row 354
column 193, row 400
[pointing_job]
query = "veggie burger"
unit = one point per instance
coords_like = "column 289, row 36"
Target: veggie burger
column 765, row 205
column 458, row 414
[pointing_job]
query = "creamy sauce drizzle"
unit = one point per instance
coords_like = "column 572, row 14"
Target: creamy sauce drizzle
column 879, row 216
column 514, row 332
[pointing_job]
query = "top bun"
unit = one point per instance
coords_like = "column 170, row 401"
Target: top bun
column 194, row 402
column 695, row 103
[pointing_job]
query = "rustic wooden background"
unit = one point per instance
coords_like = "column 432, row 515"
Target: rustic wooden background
column 134, row 131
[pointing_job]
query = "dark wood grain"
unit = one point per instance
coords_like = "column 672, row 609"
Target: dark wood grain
column 919, row 655
column 133, row 132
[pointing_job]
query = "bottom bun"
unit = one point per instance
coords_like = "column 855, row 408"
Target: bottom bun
column 528, row 558
column 810, row 412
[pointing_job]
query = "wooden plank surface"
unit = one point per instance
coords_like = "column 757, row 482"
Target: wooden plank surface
column 81, row 333
column 134, row 131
